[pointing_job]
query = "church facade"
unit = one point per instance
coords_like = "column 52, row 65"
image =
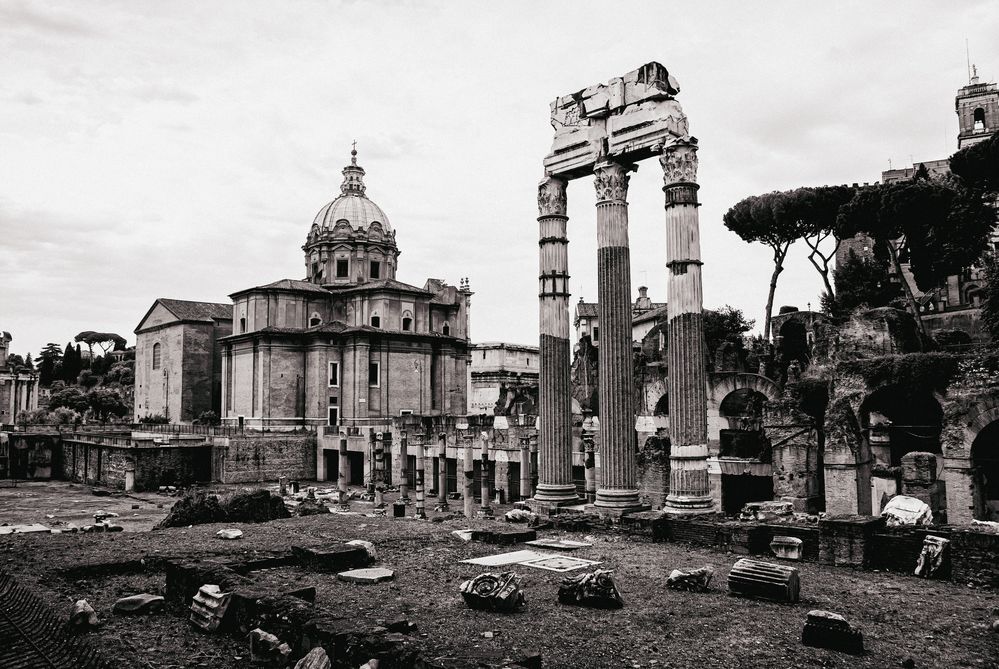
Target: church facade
column 349, row 346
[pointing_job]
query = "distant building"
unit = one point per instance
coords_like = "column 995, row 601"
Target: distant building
column 645, row 314
column 956, row 303
column 504, row 377
column 18, row 388
column 350, row 345
column 178, row 359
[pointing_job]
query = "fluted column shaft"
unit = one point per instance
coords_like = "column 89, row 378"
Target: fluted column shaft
column 687, row 384
column 555, row 411
column 618, row 488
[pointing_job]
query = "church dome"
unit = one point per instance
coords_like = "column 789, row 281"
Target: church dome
column 352, row 205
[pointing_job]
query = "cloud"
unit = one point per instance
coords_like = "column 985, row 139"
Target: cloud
column 23, row 16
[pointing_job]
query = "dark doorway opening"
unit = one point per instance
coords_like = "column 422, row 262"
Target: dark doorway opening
column 738, row 490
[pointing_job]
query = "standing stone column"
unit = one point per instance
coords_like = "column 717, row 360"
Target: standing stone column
column 469, row 491
column 421, row 458
column 442, row 475
column 525, row 467
column 404, row 469
column 688, row 405
column 555, row 485
column 618, row 488
column 485, row 508
column 344, row 471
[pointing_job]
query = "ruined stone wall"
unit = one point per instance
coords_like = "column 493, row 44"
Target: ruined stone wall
column 266, row 457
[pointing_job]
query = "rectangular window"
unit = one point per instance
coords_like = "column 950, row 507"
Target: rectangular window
column 376, row 322
column 376, row 269
column 333, row 401
column 405, row 412
column 334, row 374
column 342, row 269
column 596, row 333
column 334, row 415
column 374, row 374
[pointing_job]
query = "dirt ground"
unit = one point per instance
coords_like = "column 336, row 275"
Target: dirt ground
column 936, row 624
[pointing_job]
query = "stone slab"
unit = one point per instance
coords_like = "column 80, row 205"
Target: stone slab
column 371, row 575
column 504, row 536
column 560, row 563
column 559, row 544
column 503, row 559
column 23, row 529
column 333, row 558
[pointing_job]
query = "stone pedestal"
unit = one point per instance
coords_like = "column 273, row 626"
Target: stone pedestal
column 344, row 466
column 689, row 491
column 554, row 485
column 617, row 489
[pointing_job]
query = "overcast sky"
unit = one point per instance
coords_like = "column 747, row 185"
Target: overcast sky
column 182, row 149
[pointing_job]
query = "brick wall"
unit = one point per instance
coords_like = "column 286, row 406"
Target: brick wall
column 266, row 457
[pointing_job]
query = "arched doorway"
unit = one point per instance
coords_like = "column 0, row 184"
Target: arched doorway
column 896, row 421
column 744, row 451
column 985, row 464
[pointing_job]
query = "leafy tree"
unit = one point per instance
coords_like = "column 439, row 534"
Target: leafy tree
column 108, row 341
column 48, row 358
column 107, row 402
column 990, row 305
column 722, row 325
column 154, row 419
column 71, row 398
column 15, row 362
column 207, row 418
column 121, row 372
column 769, row 220
column 72, row 363
column 939, row 228
column 860, row 282
column 88, row 379
column 29, row 364
column 814, row 211
column 64, row 416
column 978, row 165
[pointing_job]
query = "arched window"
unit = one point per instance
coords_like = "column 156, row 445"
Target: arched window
column 979, row 120
column 407, row 321
column 157, row 362
column 242, row 325
column 446, row 330
column 315, row 320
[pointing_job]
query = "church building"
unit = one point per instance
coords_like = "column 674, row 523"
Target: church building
column 350, row 345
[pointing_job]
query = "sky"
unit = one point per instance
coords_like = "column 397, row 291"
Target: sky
column 182, row 149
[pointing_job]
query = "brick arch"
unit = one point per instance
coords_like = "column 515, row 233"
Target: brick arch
column 981, row 415
column 721, row 385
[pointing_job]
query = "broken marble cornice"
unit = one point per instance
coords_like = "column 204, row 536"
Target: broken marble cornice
column 628, row 119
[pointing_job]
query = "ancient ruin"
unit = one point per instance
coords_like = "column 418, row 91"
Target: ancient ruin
column 605, row 130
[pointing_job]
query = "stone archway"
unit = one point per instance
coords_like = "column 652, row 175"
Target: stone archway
column 973, row 472
column 985, row 472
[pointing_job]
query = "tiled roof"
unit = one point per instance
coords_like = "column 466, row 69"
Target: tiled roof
column 658, row 312
column 384, row 284
column 294, row 284
column 197, row 311
column 586, row 310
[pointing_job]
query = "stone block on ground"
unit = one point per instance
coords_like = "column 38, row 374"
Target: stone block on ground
column 764, row 580
column 266, row 650
column 493, row 592
column 787, row 548
column 505, row 536
column 229, row 534
column 693, row 580
column 366, row 545
column 208, row 608
column 138, row 604
column 824, row 629
column 82, row 616
column 934, row 560
column 771, row 510
column 905, row 510
column 314, row 659
column 332, row 558
column 595, row 589
column 370, row 575
column 519, row 516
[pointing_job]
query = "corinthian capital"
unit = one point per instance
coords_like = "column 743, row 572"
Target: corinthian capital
column 551, row 197
column 611, row 181
column 679, row 161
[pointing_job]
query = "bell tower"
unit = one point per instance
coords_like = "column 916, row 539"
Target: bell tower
column 977, row 106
